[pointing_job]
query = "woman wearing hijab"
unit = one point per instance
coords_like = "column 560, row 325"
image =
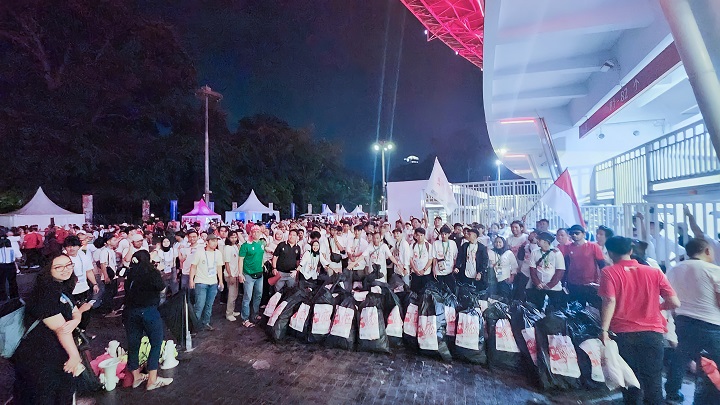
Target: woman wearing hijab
column 311, row 261
column 143, row 285
column 164, row 258
column 502, row 260
column 47, row 358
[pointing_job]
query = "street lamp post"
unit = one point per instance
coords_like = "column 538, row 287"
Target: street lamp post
column 206, row 93
column 382, row 147
column 498, row 163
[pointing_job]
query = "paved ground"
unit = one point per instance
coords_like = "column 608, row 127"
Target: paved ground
column 237, row 365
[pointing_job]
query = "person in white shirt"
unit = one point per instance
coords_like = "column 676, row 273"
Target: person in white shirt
column 376, row 257
column 185, row 256
column 107, row 272
column 445, row 254
column 482, row 236
column 699, row 234
column 503, row 268
column 517, row 239
column 355, row 251
column 206, row 279
column 522, row 279
column 547, row 267
column 137, row 242
column 232, row 274
column 312, row 261
column 602, row 234
column 504, row 230
column 422, row 261
column 435, row 232
column 83, row 269
column 472, row 261
column 164, row 256
column 402, row 252
column 697, row 320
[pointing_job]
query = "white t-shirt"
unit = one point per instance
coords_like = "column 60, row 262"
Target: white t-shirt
column 546, row 269
column 446, row 254
column 515, row 242
column 82, row 264
column 696, row 282
column 470, row 259
column 358, row 246
column 504, row 265
column 378, row 255
column 188, row 252
column 230, row 255
column 207, row 264
column 310, row 264
column 402, row 252
column 422, row 253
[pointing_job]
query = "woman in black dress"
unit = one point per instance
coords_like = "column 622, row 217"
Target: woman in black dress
column 47, row 358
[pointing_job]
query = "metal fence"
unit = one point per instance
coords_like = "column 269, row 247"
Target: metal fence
column 667, row 227
column 682, row 154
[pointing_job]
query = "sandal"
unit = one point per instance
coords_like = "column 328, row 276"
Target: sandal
column 137, row 383
column 160, row 382
column 248, row 324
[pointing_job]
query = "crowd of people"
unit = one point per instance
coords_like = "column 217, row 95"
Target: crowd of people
column 620, row 276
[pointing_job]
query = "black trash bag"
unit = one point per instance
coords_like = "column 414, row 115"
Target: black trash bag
column 470, row 339
column 584, row 325
column 375, row 275
column 397, row 284
column 523, row 316
column 431, row 328
column 469, row 297
column 411, row 305
column 301, row 320
column 322, row 311
column 394, row 314
column 555, row 326
column 502, row 350
column 172, row 311
column 278, row 324
column 371, row 331
column 87, row 382
column 344, row 328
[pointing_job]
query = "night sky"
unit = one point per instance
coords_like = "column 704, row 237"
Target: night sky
column 319, row 64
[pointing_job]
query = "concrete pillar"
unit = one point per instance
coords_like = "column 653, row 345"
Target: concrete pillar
column 697, row 62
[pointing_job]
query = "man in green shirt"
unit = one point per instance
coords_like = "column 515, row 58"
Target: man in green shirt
column 250, row 264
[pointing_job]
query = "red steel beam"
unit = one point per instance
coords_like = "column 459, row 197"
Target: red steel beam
column 458, row 23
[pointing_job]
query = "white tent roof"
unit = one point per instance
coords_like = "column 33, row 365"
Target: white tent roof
column 327, row 210
column 357, row 211
column 39, row 211
column 342, row 210
column 253, row 204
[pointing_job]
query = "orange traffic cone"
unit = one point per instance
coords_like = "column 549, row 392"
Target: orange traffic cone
column 711, row 370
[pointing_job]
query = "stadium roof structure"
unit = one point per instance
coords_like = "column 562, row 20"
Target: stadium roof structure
column 458, row 23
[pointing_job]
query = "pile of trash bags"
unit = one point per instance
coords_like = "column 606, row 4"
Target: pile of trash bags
column 558, row 350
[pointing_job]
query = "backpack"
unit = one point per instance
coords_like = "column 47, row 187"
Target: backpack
column 12, row 329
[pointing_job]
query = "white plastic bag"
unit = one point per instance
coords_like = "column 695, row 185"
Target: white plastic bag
column 427, row 332
column 451, row 318
column 411, row 320
column 394, row 326
column 504, row 340
column 342, row 323
column 276, row 313
column 616, row 370
column 529, row 336
column 468, row 331
column 272, row 304
column 369, row 324
column 297, row 321
column 594, row 349
column 563, row 358
column 322, row 319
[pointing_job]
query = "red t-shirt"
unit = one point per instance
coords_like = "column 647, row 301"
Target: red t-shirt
column 582, row 268
column 637, row 289
column 33, row 240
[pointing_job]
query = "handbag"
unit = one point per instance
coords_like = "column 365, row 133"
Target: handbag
column 335, row 257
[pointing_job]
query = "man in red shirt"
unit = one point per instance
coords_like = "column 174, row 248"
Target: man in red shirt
column 32, row 243
column 631, row 309
column 583, row 261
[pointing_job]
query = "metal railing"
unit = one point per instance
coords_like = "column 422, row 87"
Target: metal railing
column 682, row 154
column 667, row 228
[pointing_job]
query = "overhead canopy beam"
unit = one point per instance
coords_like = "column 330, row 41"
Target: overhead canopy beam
column 567, row 92
column 582, row 64
column 603, row 19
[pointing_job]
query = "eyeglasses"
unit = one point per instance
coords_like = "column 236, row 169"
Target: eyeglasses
column 70, row 265
column 576, row 233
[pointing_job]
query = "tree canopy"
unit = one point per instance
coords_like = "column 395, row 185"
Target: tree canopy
column 96, row 98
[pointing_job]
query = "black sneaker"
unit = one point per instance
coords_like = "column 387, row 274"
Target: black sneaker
column 675, row 397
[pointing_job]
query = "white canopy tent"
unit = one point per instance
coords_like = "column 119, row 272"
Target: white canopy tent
column 342, row 211
column 251, row 210
column 41, row 211
column 358, row 212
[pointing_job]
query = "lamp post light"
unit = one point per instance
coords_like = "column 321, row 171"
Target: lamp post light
column 382, row 147
column 206, row 93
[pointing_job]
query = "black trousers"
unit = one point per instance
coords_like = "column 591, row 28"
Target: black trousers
column 448, row 280
column 556, row 299
column 80, row 299
column 643, row 352
column 585, row 294
column 695, row 336
column 417, row 283
column 8, row 274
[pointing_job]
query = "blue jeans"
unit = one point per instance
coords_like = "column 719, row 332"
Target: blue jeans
column 285, row 280
column 252, row 289
column 141, row 321
column 695, row 336
column 204, row 299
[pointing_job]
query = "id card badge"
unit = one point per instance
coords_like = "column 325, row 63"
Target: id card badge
column 441, row 265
